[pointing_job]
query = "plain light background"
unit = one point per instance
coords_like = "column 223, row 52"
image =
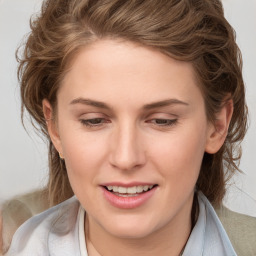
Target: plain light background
column 23, row 156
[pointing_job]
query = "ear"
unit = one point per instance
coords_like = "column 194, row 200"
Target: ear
column 217, row 131
column 52, row 126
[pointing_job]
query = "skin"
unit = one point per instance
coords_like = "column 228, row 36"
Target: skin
column 128, row 139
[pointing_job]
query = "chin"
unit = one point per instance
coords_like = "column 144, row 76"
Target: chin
column 132, row 233
column 131, row 228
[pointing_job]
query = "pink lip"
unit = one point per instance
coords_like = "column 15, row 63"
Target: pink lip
column 128, row 202
column 131, row 184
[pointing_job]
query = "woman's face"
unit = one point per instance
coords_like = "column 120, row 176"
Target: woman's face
column 131, row 119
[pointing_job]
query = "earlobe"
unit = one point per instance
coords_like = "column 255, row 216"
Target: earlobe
column 217, row 131
column 51, row 125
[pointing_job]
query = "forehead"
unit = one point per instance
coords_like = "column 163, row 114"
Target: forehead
column 114, row 69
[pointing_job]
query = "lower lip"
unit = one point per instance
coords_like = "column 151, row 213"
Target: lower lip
column 128, row 202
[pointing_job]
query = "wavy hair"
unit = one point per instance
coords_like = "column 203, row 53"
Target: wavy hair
column 194, row 31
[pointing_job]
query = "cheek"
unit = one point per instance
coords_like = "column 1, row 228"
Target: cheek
column 82, row 157
column 83, row 152
column 181, row 152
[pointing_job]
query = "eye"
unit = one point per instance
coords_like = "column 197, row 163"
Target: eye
column 94, row 122
column 163, row 122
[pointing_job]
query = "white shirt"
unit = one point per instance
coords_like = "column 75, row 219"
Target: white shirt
column 59, row 231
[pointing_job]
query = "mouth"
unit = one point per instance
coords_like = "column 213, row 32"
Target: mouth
column 128, row 196
column 132, row 191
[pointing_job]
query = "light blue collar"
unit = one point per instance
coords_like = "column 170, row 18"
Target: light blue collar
column 208, row 237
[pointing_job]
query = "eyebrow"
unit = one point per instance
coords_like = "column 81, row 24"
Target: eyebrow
column 89, row 102
column 153, row 105
column 165, row 103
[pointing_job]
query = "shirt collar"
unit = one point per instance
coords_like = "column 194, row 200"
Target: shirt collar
column 208, row 237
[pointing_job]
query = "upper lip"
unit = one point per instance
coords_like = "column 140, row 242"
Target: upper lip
column 130, row 184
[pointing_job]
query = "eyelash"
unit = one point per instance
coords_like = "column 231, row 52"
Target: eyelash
column 96, row 122
column 91, row 122
column 164, row 122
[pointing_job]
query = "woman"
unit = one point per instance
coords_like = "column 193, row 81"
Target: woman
column 143, row 105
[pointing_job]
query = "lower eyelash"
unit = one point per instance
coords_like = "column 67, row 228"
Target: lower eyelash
column 86, row 122
column 169, row 123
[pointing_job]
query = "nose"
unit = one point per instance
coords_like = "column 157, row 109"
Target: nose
column 127, row 152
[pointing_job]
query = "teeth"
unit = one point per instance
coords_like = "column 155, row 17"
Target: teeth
column 145, row 188
column 139, row 189
column 110, row 187
column 115, row 188
column 132, row 190
column 129, row 190
column 122, row 190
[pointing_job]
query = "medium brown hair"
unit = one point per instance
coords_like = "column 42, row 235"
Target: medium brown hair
column 188, row 30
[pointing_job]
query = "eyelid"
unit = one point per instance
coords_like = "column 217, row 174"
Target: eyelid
column 161, row 115
column 93, row 119
column 89, row 122
column 92, row 115
column 166, row 122
column 162, row 119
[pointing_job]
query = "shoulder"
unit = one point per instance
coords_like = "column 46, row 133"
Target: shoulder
column 16, row 211
column 40, row 232
column 241, row 230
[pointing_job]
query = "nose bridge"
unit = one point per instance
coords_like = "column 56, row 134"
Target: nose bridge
column 127, row 149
